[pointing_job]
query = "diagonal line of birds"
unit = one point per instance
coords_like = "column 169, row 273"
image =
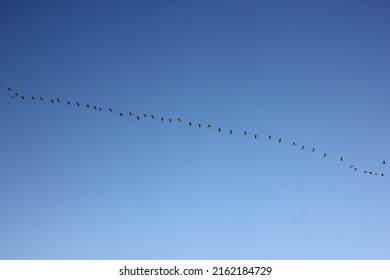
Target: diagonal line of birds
column 15, row 95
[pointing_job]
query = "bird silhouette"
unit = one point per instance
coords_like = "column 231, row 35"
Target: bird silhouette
column 162, row 119
column 231, row 132
column 376, row 174
column 255, row 136
column 152, row 116
column 59, row 101
column 341, row 158
column 121, row 114
column 302, row 148
column 245, row 132
column 325, row 155
column 78, row 104
column 370, row 172
column 22, row 97
column 110, row 110
column 293, row 143
column 41, row 98
column 280, row 140
column 87, row 106
column 190, row 123
column 351, row 166
column 137, row 117
column 365, row 171
column 383, row 162
column 16, row 93
column 130, row 114
column 13, row 96
column 355, row 169
column 199, row 125
column 32, row 97
column 314, row 149
column 382, row 174
column 208, row 126
column 269, row 137
column 170, row 120
column 9, row 89
column 145, row 115
column 52, row 101
column 68, row 102
column 100, row 109
column 178, row 119
column 219, row 130
column 95, row 107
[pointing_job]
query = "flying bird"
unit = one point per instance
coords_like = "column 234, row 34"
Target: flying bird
column 87, row 106
column 68, row 102
column 95, row 107
column 280, row 140
column 351, row 166
column 365, row 171
column 162, row 119
column 355, row 169
column 100, row 109
column 384, row 162
column 302, row 148
column 78, row 104
column 376, row 174
column 32, row 97
column 152, row 116
column 325, row 155
column 199, row 125
column 145, row 115
column 314, row 149
column 370, row 172
column 52, row 101
column 245, row 132
column 269, row 137
column 231, row 132
column 16, row 93
column 382, row 174
column 41, row 98
column 130, row 114
column 219, row 130
column 170, row 120
column 9, row 89
column 255, row 136
column 58, row 100
column 137, row 117
column 341, row 158
column 22, row 97
column 179, row 119
column 293, row 143
column 110, row 110
column 121, row 114
column 190, row 123
column 209, row 126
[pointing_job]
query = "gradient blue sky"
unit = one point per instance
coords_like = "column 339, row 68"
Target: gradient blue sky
column 80, row 184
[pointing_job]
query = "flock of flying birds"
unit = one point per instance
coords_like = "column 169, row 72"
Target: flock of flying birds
column 15, row 95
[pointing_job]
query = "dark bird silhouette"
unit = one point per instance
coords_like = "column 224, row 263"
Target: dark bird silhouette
column 95, row 107
column 269, row 137
column 209, row 126
column 341, row 158
column 314, row 149
column 370, row 172
column 199, row 125
column 68, row 102
column 152, row 116
column 351, row 166
column 219, row 130
column 382, row 174
column 78, row 104
column 58, row 100
column 384, row 162
column 52, row 101
column 255, row 136
column 100, row 109
column 137, row 117
column 22, row 97
column 109, row 109
column 121, row 114
column 376, row 174
column 170, row 120
column 87, row 106
column 130, row 114
column 302, row 148
column 16, row 93
column 162, row 119
column 280, row 140
column 293, row 143
column 190, row 123
column 179, row 119
column 365, row 171
column 9, row 89
column 231, row 132
column 41, row 98
column 145, row 115
column 32, row 97
column 355, row 169
column 13, row 96
column 245, row 132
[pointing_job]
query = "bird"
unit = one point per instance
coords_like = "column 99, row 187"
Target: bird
column 58, row 100
column 52, row 101
column 245, row 132
column 365, row 171
column 255, row 136
column 370, row 172
column 231, row 132
column 9, row 89
column 190, row 123
column 351, row 166
column 78, row 104
column 178, row 119
column 383, row 162
column 87, row 106
column 382, row 174
column 162, row 119
column 219, row 130
column 41, row 98
column 95, row 107
column 280, row 140
column 100, row 109
column 376, row 174
column 145, row 115
column 314, row 149
column 13, row 96
column 137, row 117
column 170, row 120
column 121, row 114
column 302, row 148
column 355, row 169
column 16, row 93
column 209, row 126
column 110, row 110
column 341, row 158
column 293, row 143
column 325, row 155
column 32, row 97
column 130, row 114
column 152, row 116
column 269, row 137
column 22, row 97
column 68, row 102
column 199, row 125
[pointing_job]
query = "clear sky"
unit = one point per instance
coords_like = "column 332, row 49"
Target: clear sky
column 76, row 183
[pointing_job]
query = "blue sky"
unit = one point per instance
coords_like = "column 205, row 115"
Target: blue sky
column 81, row 184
